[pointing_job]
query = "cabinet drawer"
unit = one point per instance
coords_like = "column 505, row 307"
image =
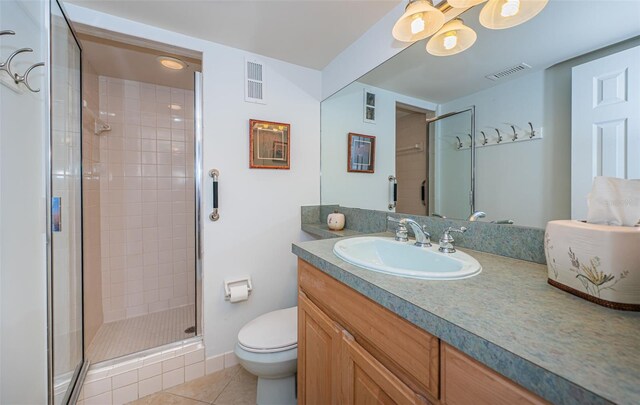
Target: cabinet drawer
column 406, row 350
column 465, row 381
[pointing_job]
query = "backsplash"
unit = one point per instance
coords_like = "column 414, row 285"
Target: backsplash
column 513, row 241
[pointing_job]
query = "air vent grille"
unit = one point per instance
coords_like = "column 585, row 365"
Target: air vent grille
column 508, row 72
column 254, row 82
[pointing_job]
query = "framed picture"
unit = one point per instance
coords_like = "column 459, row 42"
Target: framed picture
column 269, row 145
column 361, row 153
column 369, row 107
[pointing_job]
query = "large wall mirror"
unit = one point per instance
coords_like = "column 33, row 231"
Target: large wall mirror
column 488, row 129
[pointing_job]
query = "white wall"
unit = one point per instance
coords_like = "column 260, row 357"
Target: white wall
column 343, row 113
column 260, row 209
column 23, row 133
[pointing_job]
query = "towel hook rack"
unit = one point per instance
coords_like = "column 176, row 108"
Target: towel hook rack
column 484, row 138
column 459, row 145
column 6, row 65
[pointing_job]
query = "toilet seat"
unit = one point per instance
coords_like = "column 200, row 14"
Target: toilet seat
column 272, row 332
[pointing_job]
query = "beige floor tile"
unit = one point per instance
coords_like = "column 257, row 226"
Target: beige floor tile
column 165, row 398
column 240, row 391
column 206, row 388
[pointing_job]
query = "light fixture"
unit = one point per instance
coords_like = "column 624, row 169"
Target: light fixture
column 453, row 38
column 501, row 14
column 171, row 63
column 175, row 107
column 420, row 20
column 464, row 3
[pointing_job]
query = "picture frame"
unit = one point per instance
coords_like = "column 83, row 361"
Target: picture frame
column 369, row 107
column 361, row 153
column 269, row 145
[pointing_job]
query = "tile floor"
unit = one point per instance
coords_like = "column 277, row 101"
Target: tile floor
column 231, row 386
column 132, row 335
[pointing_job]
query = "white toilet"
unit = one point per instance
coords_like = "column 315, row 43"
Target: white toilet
column 268, row 348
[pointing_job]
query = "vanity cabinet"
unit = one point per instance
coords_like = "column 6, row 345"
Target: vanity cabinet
column 352, row 350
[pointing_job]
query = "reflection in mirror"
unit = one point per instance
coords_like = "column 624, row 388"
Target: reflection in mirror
column 450, row 165
column 520, row 83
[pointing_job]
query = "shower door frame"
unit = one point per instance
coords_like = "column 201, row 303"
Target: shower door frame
column 75, row 384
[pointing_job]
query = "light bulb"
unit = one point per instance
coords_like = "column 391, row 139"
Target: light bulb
column 510, row 8
column 417, row 25
column 450, row 40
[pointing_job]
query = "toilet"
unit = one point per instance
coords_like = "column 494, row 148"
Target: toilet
column 268, row 348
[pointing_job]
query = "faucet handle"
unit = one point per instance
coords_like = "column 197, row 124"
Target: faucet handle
column 446, row 241
column 462, row 229
column 402, row 234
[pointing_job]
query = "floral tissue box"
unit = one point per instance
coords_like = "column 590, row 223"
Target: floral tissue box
column 599, row 263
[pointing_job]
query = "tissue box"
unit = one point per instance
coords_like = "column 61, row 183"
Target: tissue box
column 599, row 263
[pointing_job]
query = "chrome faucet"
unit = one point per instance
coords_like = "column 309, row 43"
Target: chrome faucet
column 476, row 215
column 446, row 241
column 423, row 238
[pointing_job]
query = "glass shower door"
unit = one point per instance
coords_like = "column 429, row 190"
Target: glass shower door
column 66, row 207
column 451, row 161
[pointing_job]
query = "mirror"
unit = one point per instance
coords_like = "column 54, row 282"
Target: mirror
column 518, row 81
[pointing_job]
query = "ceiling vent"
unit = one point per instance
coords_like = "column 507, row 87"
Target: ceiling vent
column 508, row 72
column 254, row 77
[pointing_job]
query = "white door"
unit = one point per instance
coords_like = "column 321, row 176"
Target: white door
column 605, row 123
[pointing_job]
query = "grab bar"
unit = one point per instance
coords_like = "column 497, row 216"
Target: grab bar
column 215, row 215
column 394, row 183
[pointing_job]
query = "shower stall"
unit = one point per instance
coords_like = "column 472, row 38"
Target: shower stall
column 139, row 198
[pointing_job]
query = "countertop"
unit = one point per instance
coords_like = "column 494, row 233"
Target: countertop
column 563, row 348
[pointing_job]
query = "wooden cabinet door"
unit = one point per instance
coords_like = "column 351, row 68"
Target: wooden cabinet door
column 366, row 381
column 467, row 382
column 318, row 355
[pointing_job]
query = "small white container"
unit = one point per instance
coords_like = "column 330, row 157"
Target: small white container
column 599, row 263
column 335, row 221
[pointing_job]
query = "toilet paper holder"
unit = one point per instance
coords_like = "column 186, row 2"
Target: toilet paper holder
column 228, row 283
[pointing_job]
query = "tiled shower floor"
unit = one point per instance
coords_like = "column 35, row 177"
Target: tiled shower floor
column 132, row 335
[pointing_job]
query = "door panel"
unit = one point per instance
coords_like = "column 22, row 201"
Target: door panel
column 366, row 381
column 605, row 134
column 318, row 355
column 66, row 205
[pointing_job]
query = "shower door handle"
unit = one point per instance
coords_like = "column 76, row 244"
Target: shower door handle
column 215, row 215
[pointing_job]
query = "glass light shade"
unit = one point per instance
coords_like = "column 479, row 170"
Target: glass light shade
column 493, row 13
column 432, row 17
column 465, row 38
column 171, row 63
column 464, row 3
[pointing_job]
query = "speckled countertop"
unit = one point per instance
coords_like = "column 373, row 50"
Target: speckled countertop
column 563, row 348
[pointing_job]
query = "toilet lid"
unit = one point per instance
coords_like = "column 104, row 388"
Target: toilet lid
column 272, row 332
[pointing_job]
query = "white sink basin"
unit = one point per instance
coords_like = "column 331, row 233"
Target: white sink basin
column 385, row 255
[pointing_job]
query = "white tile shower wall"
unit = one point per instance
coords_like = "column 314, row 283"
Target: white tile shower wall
column 147, row 198
column 136, row 378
